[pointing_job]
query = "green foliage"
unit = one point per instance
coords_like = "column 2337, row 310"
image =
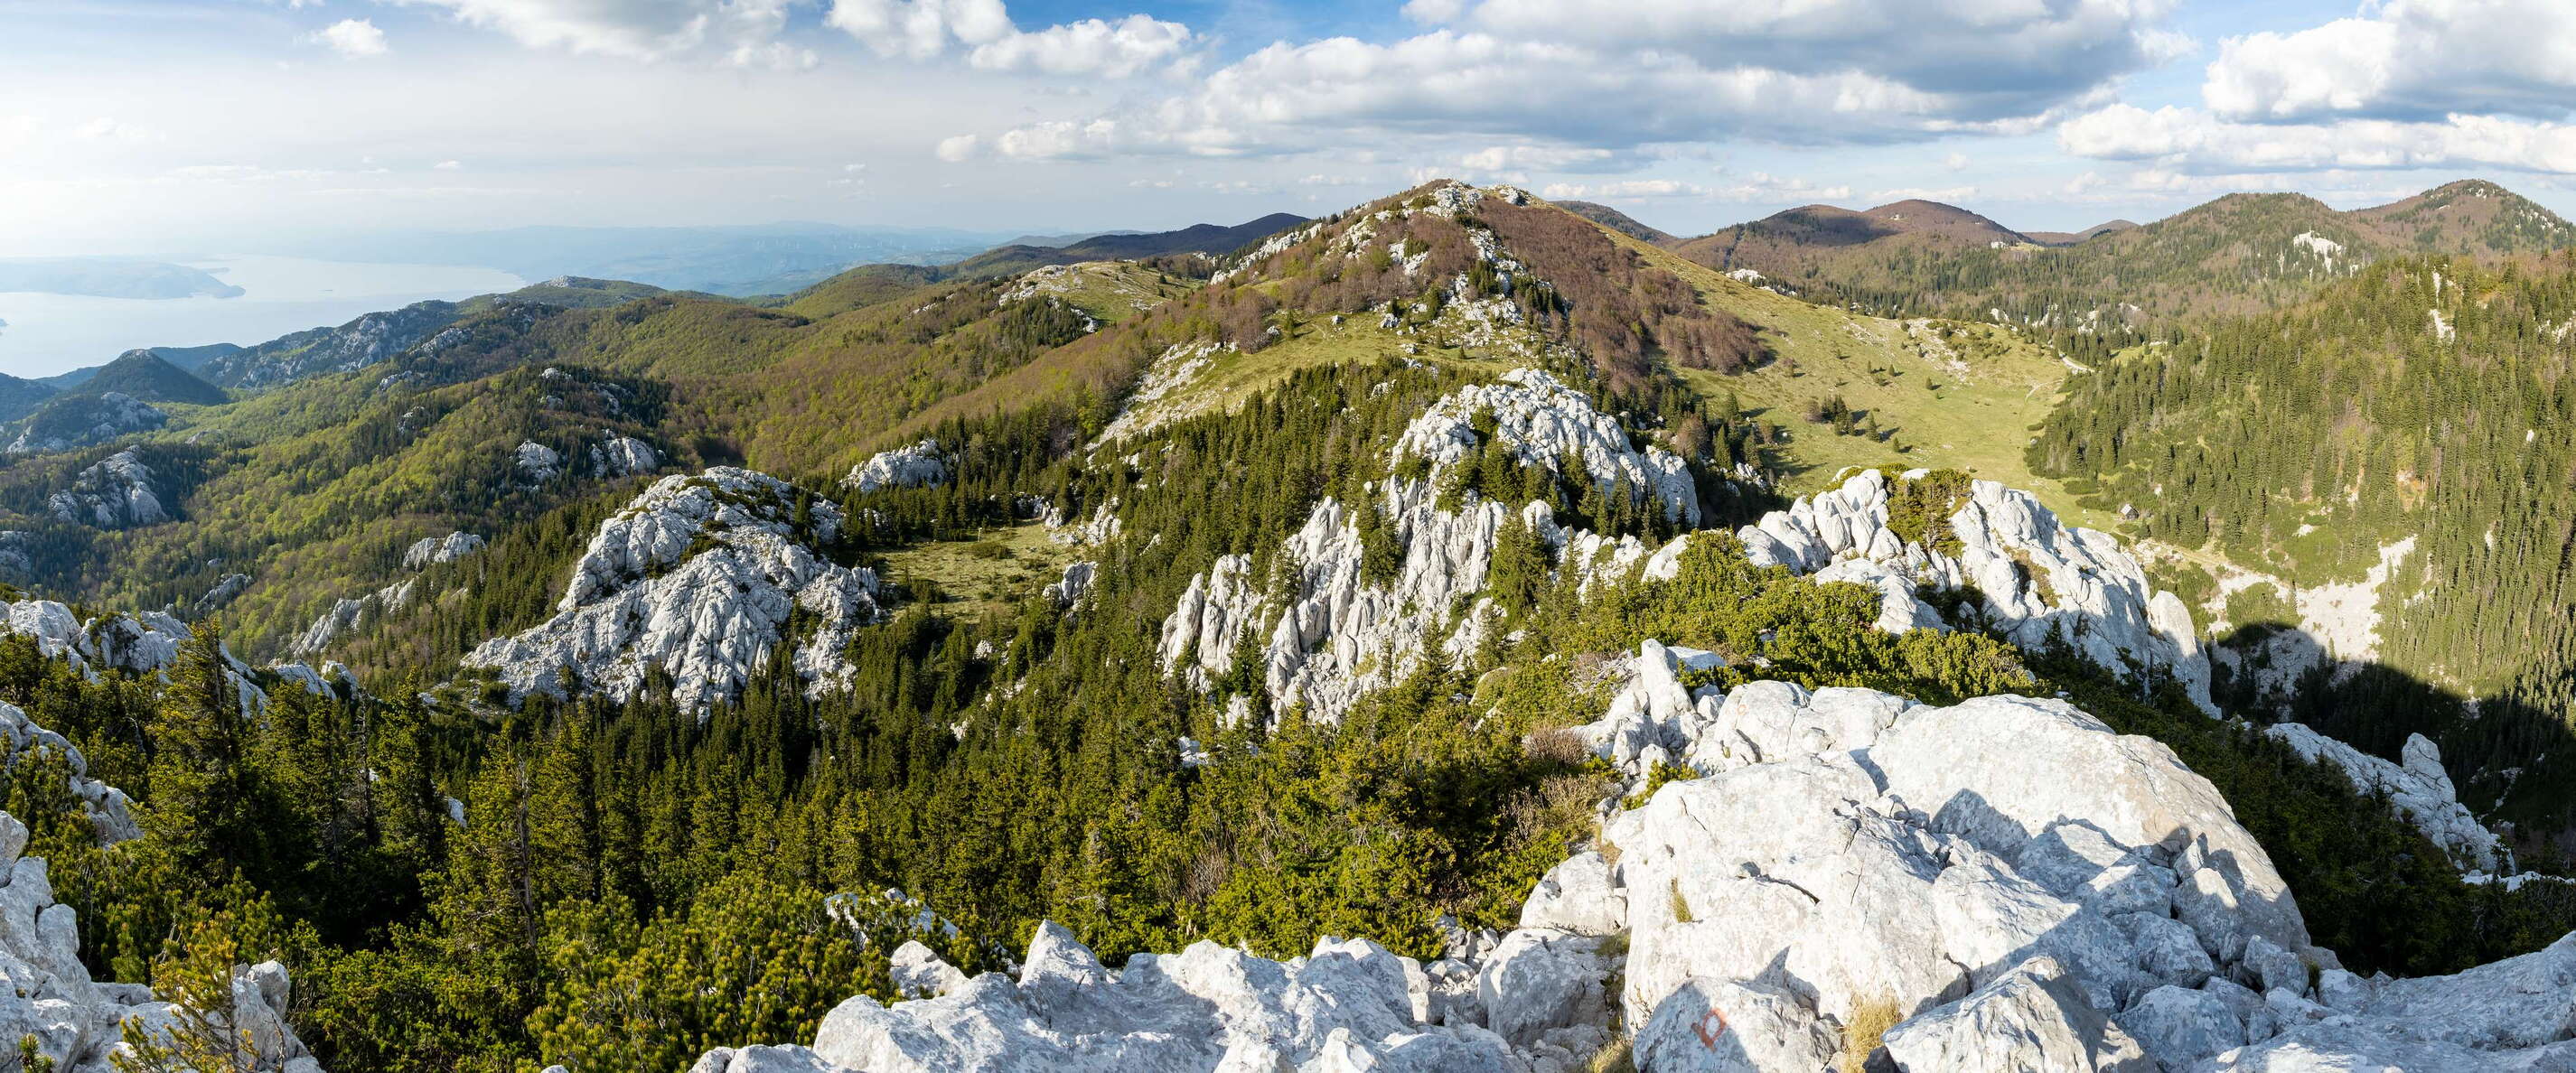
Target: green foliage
column 2305, row 442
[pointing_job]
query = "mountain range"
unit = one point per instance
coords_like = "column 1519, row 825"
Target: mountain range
column 1460, row 631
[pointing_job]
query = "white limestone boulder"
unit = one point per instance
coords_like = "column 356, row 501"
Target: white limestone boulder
column 921, row 465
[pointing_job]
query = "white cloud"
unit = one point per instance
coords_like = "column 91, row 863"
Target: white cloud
column 448, row 165
column 1756, row 188
column 105, row 129
column 920, row 29
column 1119, row 49
column 1543, row 157
column 958, row 148
column 1955, row 162
column 1989, row 59
column 2188, row 139
column 1919, row 193
column 636, row 29
column 1625, row 190
column 1620, row 75
column 2416, row 60
column 927, row 29
column 352, row 38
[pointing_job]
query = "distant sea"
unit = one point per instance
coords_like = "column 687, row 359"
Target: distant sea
column 46, row 334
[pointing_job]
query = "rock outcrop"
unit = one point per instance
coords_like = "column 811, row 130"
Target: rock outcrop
column 107, row 808
column 2079, row 901
column 223, row 592
column 427, row 551
column 79, row 1023
column 922, row 465
column 348, row 614
column 2038, row 581
column 1336, row 634
column 623, row 456
column 535, row 463
column 2419, row 789
column 696, row 578
column 114, row 493
column 76, row 421
column 1347, row 1006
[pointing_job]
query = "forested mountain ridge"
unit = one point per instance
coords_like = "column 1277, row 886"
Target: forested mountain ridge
column 1415, row 575
column 2239, row 254
column 2405, row 433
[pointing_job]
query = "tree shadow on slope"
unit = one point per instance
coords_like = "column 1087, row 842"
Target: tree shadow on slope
column 2513, row 760
column 2372, row 887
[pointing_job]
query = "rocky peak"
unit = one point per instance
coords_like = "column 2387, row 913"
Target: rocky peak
column 113, row 493
column 696, row 578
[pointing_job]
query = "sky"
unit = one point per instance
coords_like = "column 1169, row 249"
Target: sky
column 176, row 127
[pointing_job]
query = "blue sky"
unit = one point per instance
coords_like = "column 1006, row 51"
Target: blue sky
column 169, row 127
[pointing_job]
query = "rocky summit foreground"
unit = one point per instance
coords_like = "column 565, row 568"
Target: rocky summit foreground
column 2078, row 900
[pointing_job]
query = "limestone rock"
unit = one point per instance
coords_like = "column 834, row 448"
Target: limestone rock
column 920, row 973
column 1206, row 1008
column 2420, row 790
column 922, row 465
column 1068, row 590
column 2181, row 1026
column 536, row 463
column 72, row 422
column 1720, row 1026
column 78, row 1023
column 697, row 577
column 623, row 456
column 222, row 593
column 113, row 493
column 1337, row 635
column 430, row 550
column 2027, row 1021
column 2039, row 580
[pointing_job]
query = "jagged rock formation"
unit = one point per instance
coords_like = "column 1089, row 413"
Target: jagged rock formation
column 138, row 643
column 78, row 1023
column 348, row 614
column 2037, row 580
column 1069, row 590
column 79, row 421
column 113, row 493
column 427, row 551
column 1346, row 1005
column 2079, row 901
column 2076, row 586
column 2419, row 789
column 1337, row 635
column 231, row 585
column 536, row 463
column 107, row 808
column 921, row 465
column 623, row 456
column 696, row 578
